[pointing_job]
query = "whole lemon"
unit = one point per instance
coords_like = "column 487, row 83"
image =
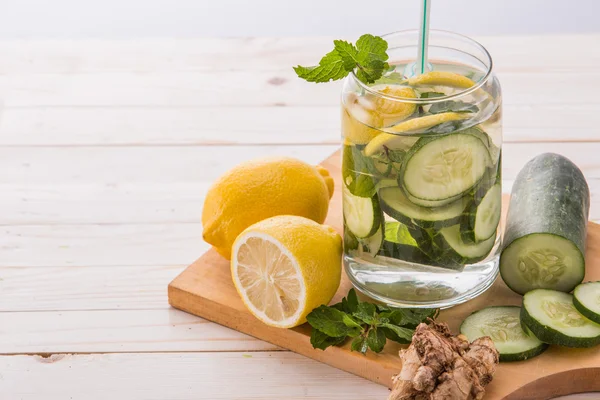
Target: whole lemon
column 259, row 189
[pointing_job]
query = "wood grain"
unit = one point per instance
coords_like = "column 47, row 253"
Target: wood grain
column 280, row 87
column 84, row 287
column 168, row 126
column 93, row 56
column 205, row 289
column 118, row 331
column 179, row 376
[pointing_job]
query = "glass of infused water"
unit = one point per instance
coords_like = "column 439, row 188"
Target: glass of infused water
column 421, row 172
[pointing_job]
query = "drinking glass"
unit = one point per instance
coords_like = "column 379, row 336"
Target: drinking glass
column 421, row 171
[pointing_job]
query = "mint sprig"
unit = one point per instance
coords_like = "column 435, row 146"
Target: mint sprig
column 368, row 57
column 368, row 325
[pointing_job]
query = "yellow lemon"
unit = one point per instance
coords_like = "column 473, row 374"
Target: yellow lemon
column 259, row 189
column 399, row 142
column 442, row 78
column 286, row 266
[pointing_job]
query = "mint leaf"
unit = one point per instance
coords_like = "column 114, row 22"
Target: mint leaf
column 431, row 95
column 350, row 302
column 320, row 340
column 397, row 333
column 356, row 174
column 366, row 312
column 408, row 317
column 368, row 58
column 331, row 68
column 376, row 339
column 347, row 52
column 359, row 344
column 445, row 127
column 333, row 322
column 453, row 106
column 352, row 323
column 372, row 48
column 394, row 77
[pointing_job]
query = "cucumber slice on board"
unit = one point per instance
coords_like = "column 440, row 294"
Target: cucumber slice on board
column 586, row 299
column 395, row 203
column 544, row 240
column 502, row 325
column 482, row 215
column 362, row 214
column 443, row 167
column 553, row 319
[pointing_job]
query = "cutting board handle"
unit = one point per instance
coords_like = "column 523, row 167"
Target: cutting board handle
column 580, row 380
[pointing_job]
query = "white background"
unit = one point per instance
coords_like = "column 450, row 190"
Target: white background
column 198, row 18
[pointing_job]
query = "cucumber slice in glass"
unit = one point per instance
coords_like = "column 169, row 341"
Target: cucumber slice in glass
column 455, row 248
column 395, row 203
column 586, row 299
column 443, row 167
column 362, row 214
column 502, row 325
column 482, row 215
column 553, row 319
column 373, row 243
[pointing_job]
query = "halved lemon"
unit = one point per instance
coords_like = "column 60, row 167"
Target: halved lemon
column 442, row 78
column 286, row 266
column 397, row 142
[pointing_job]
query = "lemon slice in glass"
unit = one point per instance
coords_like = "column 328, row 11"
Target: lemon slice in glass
column 398, row 142
column 442, row 78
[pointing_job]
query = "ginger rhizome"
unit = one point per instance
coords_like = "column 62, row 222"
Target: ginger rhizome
column 438, row 365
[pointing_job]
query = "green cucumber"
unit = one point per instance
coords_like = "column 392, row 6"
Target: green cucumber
column 553, row 319
column 586, row 299
column 455, row 250
column 362, row 214
column 442, row 167
column 395, row 203
column 502, row 325
column 481, row 217
column 544, row 240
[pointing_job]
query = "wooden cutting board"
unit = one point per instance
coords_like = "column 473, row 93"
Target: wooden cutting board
column 205, row 289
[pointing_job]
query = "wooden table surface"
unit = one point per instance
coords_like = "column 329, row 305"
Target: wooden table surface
column 107, row 149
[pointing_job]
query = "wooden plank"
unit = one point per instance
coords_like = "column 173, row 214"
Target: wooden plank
column 247, row 88
column 62, row 56
column 205, row 289
column 135, row 165
column 126, row 203
column 85, row 287
column 122, row 203
column 100, row 245
column 164, row 165
column 211, row 376
column 128, row 126
column 118, row 331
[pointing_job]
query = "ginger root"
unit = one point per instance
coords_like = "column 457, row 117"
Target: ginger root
column 440, row 366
